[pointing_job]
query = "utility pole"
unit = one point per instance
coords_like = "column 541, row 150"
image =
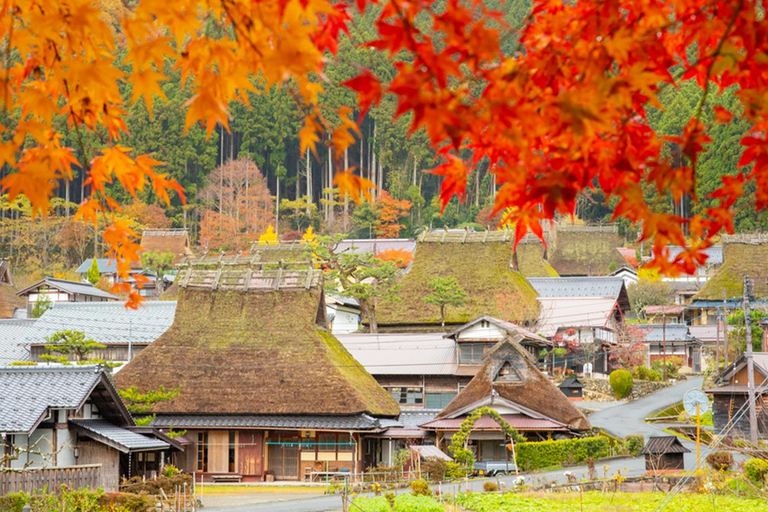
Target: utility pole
column 664, row 344
column 717, row 342
column 750, row 365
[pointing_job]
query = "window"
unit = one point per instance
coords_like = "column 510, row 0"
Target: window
column 326, row 443
column 346, row 443
column 472, row 353
column 202, row 451
column 232, row 451
column 439, row 400
column 407, row 396
column 507, row 373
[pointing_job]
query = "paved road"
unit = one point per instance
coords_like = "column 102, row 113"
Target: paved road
column 620, row 420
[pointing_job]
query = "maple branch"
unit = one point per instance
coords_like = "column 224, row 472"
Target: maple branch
column 238, row 29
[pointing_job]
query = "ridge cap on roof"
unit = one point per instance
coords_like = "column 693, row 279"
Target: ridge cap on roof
column 113, row 304
column 95, row 369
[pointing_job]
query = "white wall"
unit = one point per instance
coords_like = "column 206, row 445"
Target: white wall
column 344, row 321
column 481, row 332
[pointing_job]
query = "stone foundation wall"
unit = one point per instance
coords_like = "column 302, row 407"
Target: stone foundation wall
column 600, row 389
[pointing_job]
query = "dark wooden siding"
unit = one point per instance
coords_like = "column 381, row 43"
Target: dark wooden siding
column 727, row 406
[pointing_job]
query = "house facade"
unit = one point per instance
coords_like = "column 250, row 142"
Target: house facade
column 671, row 340
column 731, row 393
column 54, row 290
column 65, row 416
column 265, row 390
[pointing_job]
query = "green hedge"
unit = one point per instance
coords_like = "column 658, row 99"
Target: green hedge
column 532, row 456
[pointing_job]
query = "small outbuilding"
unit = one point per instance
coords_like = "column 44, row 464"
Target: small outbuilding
column 572, row 388
column 664, row 453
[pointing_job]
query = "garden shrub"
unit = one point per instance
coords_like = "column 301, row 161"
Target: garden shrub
column 645, row 373
column 421, row 487
column 756, row 470
column 454, row 470
column 720, row 460
column 634, row 443
column 373, row 504
column 490, row 486
column 137, row 485
column 435, row 468
column 13, row 502
column 542, row 454
column 621, row 383
column 414, row 503
column 127, row 502
column 673, row 366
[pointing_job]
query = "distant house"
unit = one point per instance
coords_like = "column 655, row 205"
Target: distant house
column 730, row 396
column 627, row 274
column 343, row 314
column 585, row 250
column 482, row 265
column 264, row 387
column 72, row 416
column 672, row 340
column 107, row 269
column 398, row 434
column 586, row 310
column 672, row 314
column 12, row 347
column 11, row 305
column 664, row 453
column 124, row 331
column 61, row 290
column 510, row 383
column 175, row 241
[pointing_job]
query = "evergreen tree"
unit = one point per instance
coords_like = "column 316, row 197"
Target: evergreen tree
column 93, row 275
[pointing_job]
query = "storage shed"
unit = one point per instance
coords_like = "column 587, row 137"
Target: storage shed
column 664, row 453
column 572, row 388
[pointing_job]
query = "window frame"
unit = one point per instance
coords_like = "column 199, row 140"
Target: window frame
column 202, row 452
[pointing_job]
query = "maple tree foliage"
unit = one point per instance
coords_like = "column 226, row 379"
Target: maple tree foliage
column 389, row 211
column 400, row 257
column 241, row 207
column 561, row 114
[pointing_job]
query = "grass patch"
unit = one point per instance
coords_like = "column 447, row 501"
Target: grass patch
column 597, row 501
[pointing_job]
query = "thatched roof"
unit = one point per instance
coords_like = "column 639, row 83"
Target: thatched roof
column 742, row 255
column 175, row 241
column 9, row 301
column 585, row 250
column 248, row 348
column 530, row 389
column 483, row 269
column 530, row 258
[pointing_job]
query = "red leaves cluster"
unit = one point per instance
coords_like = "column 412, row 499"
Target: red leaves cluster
column 567, row 111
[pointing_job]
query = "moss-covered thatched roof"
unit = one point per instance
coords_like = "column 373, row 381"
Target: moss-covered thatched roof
column 585, row 250
column 742, row 255
column 175, row 241
column 483, row 269
column 252, row 352
column 530, row 259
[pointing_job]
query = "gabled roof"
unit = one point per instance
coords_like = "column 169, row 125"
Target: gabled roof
column 742, row 255
column 662, row 445
column 342, row 301
column 559, row 287
column 175, row 241
column 105, row 265
column 714, row 254
column 402, row 353
column 27, row 393
column 565, row 313
column 570, row 382
column 74, row 287
column 249, row 348
column 375, row 245
column 759, row 360
column 109, row 323
column 11, row 339
column 521, row 334
column 119, row 438
column 533, row 394
column 268, row 421
column 482, row 269
column 671, row 332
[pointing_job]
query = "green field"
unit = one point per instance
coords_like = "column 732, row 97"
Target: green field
column 596, row 501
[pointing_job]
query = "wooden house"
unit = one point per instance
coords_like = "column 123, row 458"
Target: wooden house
column 572, row 388
column 10, row 303
column 482, row 265
column 61, row 290
column 671, row 340
column 664, row 453
column 510, row 383
column 72, row 416
column 730, row 396
column 264, row 387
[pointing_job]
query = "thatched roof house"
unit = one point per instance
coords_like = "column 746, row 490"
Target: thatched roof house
column 481, row 263
column 250, row 350
column 530, row 258
column 744, row 254
column 582, row 250
column 9, row 301
column 175, row 241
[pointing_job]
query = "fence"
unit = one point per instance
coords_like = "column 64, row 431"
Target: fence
column 29, row 480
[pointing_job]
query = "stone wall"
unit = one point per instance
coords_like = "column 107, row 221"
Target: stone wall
column 600, row 389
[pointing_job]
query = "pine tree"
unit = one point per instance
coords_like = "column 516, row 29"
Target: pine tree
column 446, row 291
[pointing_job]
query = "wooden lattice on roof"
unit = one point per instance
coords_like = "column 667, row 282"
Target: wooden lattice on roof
column 247, row 273
column 467, row 237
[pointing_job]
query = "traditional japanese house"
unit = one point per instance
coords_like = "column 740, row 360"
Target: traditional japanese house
column 264, row 388
column 10, row 303
column 664, row 453
column 12, row 348
column 730, row 396
column 671, row 340
column 175, row 241
column 481, row 262
column 572, row 388
column 584, row 250
column 510, row 383
column 65, row 416
column 61, row 290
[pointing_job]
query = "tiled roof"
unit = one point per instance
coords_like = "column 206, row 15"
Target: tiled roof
column 672, row 332
column 306, row 422
column 11, row 336
column 552, row 287
column 516, row 421
column 27, row 392
column 375, row 245
column 557, row 313
column 430, row 452
column 402, row 354
column 657, row 445
column 120, row 438
column 106, row 266
column 105, row 322
column 714, row 253
column 705, row 333
column 70, row 287
column 509, row 327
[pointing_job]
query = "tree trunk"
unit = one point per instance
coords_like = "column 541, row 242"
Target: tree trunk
column 442, row 315
column 369, row 313
column 309, row 183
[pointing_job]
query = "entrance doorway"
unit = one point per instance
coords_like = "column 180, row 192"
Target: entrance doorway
column 284, row 458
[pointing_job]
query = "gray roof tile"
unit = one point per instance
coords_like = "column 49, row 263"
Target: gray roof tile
column 305, row 422
column 70, row 287
column 402, row 353
column 105, row 322
column 11, row 337
column 105, row 265
column 129, row 441
column 672, row 332
column 551, row 287
column 27, row 392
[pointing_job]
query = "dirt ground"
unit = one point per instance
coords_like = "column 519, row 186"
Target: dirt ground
column 217, row 495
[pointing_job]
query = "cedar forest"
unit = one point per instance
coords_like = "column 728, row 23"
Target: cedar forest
column 377, row 119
